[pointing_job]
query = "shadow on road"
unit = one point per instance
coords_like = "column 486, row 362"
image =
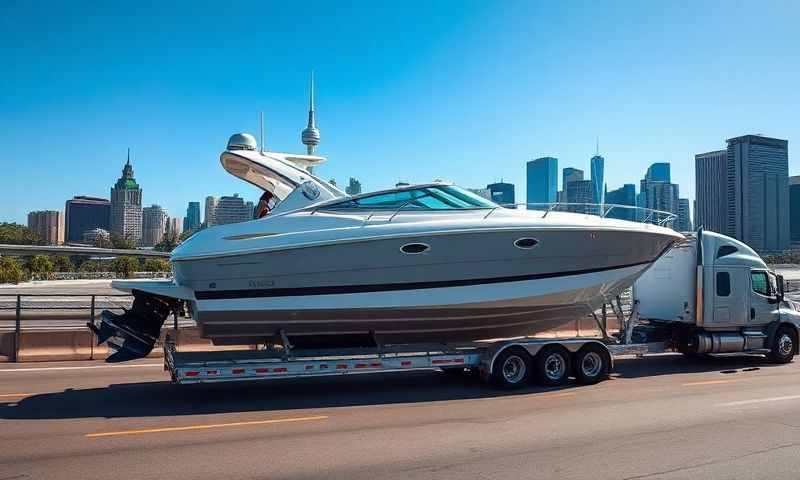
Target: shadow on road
column 149, row 399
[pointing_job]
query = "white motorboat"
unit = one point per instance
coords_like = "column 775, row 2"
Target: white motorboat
column 421, row 263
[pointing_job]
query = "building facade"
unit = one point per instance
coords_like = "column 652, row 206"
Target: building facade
column 542, row 180
column 658, row 172
column 711, row 191
column 596, row 167
column 502, row 193
column 683, row 223
column 154, row 222
column 233, row 210
column 210, row 214
column 353, row 187
column 174, row 227
column 626, row 196
column 192, row 219
column 90, row 237
column 49, row 225
column 126, row 206
column 83, row 213
column 758, row 191
column 581, row 192
column 794, row 209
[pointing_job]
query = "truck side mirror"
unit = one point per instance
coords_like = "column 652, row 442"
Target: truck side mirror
column 780, row 288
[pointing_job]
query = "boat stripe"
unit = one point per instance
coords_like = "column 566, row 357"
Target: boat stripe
column 388, row 287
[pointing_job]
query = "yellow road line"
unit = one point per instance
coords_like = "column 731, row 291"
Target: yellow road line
column 205, row 427
column 711, row 382
column 9, row 395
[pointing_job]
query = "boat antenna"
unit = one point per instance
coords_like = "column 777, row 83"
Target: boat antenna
column 261, row 128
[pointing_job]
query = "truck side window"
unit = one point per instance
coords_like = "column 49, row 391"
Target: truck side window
column 760, row 283
column 723, row 284
column 726, row 250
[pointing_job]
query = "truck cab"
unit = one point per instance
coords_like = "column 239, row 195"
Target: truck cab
column 720, row 297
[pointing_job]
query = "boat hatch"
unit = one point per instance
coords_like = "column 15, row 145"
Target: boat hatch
column 277, row 173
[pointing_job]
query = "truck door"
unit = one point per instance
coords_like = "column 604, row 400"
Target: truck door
column 731, row 297
column 763, row 304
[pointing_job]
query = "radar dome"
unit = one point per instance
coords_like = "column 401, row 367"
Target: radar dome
column 242, row 141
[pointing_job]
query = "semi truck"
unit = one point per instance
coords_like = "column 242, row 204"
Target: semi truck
column 711, row 294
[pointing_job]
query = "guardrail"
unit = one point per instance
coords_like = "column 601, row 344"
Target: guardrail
column 19, row 307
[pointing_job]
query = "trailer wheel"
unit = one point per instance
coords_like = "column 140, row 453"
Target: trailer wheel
column 591, row 364
column 552, row 366
column 784, row 345
column 512, row 368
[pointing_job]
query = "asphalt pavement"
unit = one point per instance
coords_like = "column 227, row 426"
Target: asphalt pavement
column 661, row 417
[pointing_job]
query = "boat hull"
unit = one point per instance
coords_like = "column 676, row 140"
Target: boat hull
column 436, row 314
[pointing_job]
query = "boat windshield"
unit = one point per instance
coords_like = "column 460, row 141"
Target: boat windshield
column 436, row 197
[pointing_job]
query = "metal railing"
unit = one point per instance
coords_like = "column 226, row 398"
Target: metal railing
column 604, row 210
column 20, row 324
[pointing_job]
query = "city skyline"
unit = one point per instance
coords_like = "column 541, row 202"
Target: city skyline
column 447, row 101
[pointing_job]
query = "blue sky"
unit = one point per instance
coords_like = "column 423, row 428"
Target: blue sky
column 465, row 91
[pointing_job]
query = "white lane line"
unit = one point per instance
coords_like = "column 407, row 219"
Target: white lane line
column 88, row 367
column 758, row 400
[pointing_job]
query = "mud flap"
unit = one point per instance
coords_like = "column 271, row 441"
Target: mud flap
column 134, row 333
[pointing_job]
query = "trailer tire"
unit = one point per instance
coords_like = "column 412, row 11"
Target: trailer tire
column 511, row 368
column 784, row 345
column 591, row 364
column 552, row 366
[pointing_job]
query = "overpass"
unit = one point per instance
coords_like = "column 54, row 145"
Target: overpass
column 27, row 250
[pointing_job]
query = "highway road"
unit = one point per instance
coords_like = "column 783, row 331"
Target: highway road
column 660, row 417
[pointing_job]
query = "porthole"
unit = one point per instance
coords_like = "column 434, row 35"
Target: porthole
column 414, row 248
column 526, row 243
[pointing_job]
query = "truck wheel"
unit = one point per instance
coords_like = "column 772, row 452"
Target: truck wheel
column 591, row 364
column 512, row 368
column 783, row 346
column 552, row 366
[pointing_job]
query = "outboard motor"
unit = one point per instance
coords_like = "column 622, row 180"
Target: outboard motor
column 134, row 333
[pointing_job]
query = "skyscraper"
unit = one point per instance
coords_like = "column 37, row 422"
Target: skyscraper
column 192, row 219
column 49, row 225
column 596, row 165
column 126, row 205
column 625, row 195
column 570, row 174
column 502, row 193
column 310, row 136
column 581, row 192
column 758, row 191
column 542, row 180
column 233, row 210
column 683, row 223
column 174, row 226
column 658, row 172
column 710, row 191
column 662, row 196
column 82, row 214
column 353, row 187
column 154, row 222
column 794, row 209
column 211, row 211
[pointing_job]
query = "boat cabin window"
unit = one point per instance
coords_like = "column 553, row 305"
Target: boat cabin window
column 439, row 197
column 726, row 250
column 760, row 283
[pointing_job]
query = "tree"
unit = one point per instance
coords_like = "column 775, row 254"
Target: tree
column 157, row 265
column 16, row 234
column 62, row 263
column 186, row 234
column 11, row 270
column 103, row 241
column 124, row 243
column 125, row 266
column 41, row 266
column 167, row 244
column 90, row 266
